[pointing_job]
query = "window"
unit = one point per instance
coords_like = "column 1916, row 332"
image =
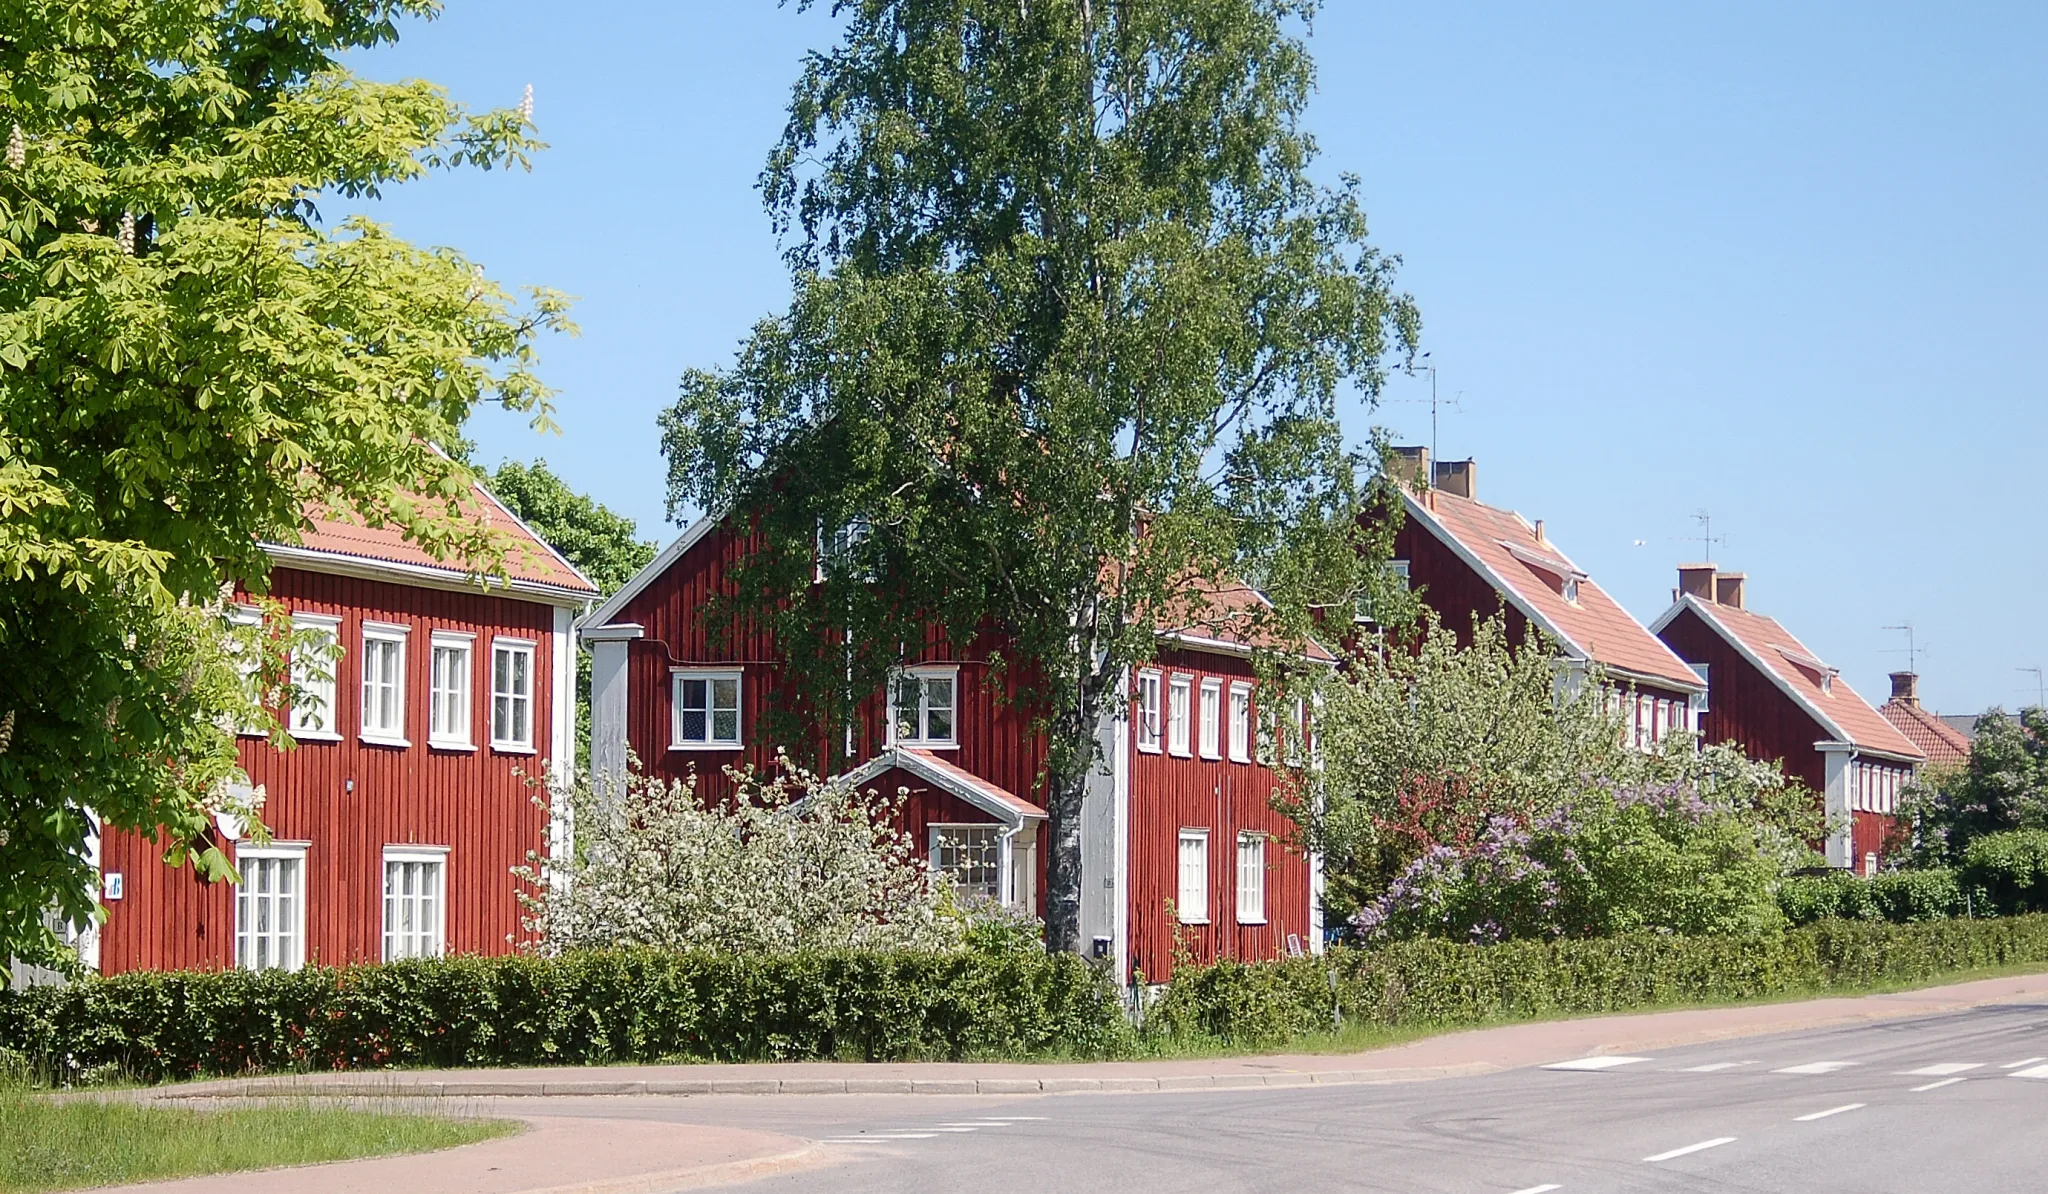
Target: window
column 448, row 689
column 1251, row 879
column 922, row 702
column 1568, row 588
column 1177, row 716
column 512, row 694
column 384, row 682
column 270, row 907
column 1704, row 672
column 972, row 855
column 1240, row 723
column 1212, row 712
column 314, row 656
column 1148, row 712
column 245, row 625
column 1191, row 901
column 706, row 711
column 415, row 910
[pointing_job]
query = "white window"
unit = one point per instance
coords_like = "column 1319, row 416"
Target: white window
column 1212, row 715
column 1177, row 716
column 270, row 907
column 706, row 711
column 512, row 694
column 972, row 855
column 1251, row 879
column 245, row 625
column 922, row 704
column 1240, row 723
column 384, row 682
column 1191, row 901
column 448, row 701
column 313, row 664
column 415, row 904
column 1148, row 712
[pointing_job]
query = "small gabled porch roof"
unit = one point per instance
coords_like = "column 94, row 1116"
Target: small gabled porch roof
column 1005, row 806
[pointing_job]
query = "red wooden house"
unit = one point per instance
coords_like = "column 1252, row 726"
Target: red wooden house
column 1780, row 702
column 1181, row 845
column 1944, row 745
column 1469, row 562
column 406, row 800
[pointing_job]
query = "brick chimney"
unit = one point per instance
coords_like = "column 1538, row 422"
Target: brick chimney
column 1696, row 580
column 1728, row 588
column 1906, row 688
column 1410, row 466
column 1458, row 477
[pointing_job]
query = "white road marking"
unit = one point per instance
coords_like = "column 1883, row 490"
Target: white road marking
column 1939, row 1085
column 973, row 1128
column 1716, row 1142
column 1595, row 1063
column 1540, row 1189
column 1019, row 1118
column 879, row 1136
column 1804, row 1119
column 2013, row 1065
column 1943, row 1070
column 1815, row 1067
column 1713, row 1066
column 2039, row 1071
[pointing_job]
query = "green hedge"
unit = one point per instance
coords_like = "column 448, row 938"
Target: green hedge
column 2009, row 871
column 589, row 1008
column 1901, row 897
column 1442, row 984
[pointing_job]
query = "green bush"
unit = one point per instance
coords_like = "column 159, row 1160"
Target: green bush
column 2008, row 871
column 1443, row 984
column 1901, row 897
column 581, row 1008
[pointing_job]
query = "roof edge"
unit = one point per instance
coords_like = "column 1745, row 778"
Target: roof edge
column 312, row 559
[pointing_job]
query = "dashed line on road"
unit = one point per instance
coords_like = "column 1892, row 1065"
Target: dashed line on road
column 1596, row 1063
column 1938, row 1085
column 1546, row 1189
column 1815, row 1067
column 1943, row 1070
column 1702, row 1146
column 2014, row 1065
column 1714, row 1067
column 1807, row 1119
column 2039, row 1071
column 877, row 1136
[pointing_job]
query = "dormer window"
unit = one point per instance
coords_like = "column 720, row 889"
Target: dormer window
column 1569, row 586
column 1560, row 574
column 923, row 701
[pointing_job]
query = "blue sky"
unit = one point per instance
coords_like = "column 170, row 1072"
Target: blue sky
column 1781, row 263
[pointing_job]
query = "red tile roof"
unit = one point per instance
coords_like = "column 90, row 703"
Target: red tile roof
column 1232, row 618
column 1943, row 744
column 1533, row 573
column 528, row 559
column 1801, row 672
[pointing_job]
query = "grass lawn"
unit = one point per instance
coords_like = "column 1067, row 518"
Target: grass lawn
column 51, row 1145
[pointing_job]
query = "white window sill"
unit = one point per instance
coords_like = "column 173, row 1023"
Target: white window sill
column 385, row 740
column 703, row 746
column 469, row 747
column 1258, row 921
column 1204, row 920
column 1180, row 754
column 1209, row 758
column 315, row 736
column 1147, row 750
column 513, row 748
column 1240, row 759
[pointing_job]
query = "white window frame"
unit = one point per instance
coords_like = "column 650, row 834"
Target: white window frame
column 1146, row 730
column 459, row 736
column 1191, row 886
column 1251, row 878
column 710, row 739
column 515, row 647
column 300, row 724
column 376, row 638
column 937, row 830
column 1179, row 713
column 433, row 938
column 290, row 858
column 1240, row 722
column 924, row 739
column 1212, row 718
column 248, row 664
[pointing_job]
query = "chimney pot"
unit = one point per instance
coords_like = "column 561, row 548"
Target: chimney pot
column 1906, row 688
column 1697, row 580
column 1539, row 532
column 1728, row 589
column 1457, row 476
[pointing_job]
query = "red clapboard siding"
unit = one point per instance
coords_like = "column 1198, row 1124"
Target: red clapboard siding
column 1169, row 793
column 1746, row 707
column 1459, row 596
column 477, row 803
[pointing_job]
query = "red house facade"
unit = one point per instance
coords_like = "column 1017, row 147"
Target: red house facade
column 408, row 794
column 1469, row 562
column 1779, row 702
column 1182, row 849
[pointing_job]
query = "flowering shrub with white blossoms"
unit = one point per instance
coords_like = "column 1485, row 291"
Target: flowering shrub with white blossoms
column 792, row 863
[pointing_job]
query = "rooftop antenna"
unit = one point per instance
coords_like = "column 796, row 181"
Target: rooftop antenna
column 1706, row 538
column 1912, row 648
column 1424, row 364
column 2040, row 686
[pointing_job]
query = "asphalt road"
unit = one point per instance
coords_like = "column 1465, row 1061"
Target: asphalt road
column 1948, row 1103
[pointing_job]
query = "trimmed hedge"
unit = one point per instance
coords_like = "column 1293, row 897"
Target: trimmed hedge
column 1901, row 897
column 579, row 1009
column 1442, row 984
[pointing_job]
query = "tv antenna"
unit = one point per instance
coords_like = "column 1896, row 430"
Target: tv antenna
column 1706, row 538
column 1912, row 648
column 2040, row 686
column 1436, row 405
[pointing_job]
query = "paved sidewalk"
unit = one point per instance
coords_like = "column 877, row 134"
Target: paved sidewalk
column 1478, row 1051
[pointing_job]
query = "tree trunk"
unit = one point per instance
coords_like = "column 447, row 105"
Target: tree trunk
column 1067, row 788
